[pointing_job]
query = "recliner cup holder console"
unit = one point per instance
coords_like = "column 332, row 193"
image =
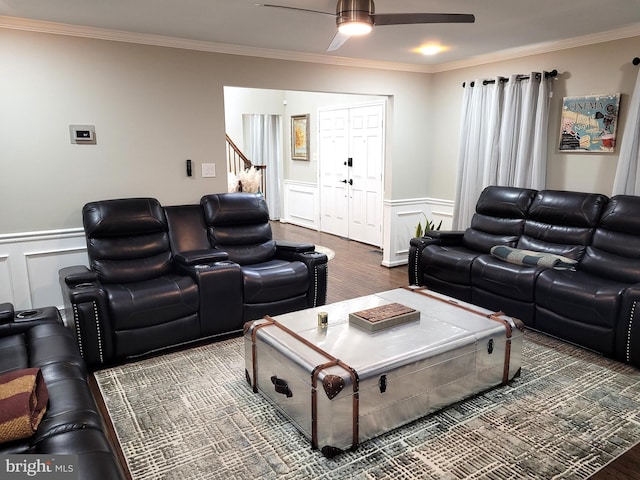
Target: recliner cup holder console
column 45, row 313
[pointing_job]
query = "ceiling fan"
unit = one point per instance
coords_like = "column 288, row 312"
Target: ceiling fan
column 358, row 17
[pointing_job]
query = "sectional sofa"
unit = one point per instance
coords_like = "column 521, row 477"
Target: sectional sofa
column 72, row 424
column 572, row 268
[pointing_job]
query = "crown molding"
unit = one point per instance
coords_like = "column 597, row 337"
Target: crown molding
column 40, row 26
column 541, row 48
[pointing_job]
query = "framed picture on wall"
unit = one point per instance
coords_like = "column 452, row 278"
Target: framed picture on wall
column 589, row 124
column 300, row 137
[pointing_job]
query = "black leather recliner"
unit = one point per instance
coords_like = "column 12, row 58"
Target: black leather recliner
column 277, row 276
column 72, row 423
column 597, row 305
column 136, row 296
column 164, row 276
column 442, row 260
column 560, row 223
column 585, row 306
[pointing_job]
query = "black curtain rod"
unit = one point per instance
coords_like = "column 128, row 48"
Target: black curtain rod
column 636, row 61
column 551, row 74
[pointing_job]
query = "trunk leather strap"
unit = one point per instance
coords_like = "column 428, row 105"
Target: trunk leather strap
column 332, row 361
column 495, row 316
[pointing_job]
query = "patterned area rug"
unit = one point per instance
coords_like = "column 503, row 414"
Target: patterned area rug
column 327, row 251
column 191, row 415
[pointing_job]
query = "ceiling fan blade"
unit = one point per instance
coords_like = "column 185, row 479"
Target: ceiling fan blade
column 338, row 40
column 409, row 18
column 293, row 8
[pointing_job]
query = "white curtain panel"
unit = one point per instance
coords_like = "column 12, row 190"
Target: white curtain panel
column 627, row 179
column 476, row 138
column 264, row 146
column 503, row 139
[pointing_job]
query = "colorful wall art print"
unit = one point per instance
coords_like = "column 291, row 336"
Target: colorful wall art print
column 588, row 124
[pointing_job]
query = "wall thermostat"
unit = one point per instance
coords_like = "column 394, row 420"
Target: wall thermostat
column 83, row 134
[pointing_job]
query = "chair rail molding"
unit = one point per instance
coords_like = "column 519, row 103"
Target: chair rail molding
column 29, row 264
column 402, row 217
column 30, row 261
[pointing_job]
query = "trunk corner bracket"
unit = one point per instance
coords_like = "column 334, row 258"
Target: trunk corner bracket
column 333, row 385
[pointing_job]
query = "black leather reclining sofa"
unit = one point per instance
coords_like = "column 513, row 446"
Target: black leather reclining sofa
column 595, row 305
column 164, row 276
column 72, row 424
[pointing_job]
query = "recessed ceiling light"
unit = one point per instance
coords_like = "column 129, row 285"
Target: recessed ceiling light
column 431, row 49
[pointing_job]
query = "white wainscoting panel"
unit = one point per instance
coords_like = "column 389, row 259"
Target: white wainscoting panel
column 29, row 265
column 301, row 204
column 6, row 284
column 43, row 286
column 402, row 217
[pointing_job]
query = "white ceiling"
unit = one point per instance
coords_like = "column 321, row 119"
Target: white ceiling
column 513, row 27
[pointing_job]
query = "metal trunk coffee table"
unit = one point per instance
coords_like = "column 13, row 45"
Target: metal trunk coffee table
column 345, row 381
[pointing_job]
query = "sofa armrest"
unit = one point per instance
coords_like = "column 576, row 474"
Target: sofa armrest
column 200, row 257
column 432, row 237
column 78, row 275
column 286, row 250
column 87, row 313
column 23, row 320
column 454, row 236
column 627, row 339
column 317, row 265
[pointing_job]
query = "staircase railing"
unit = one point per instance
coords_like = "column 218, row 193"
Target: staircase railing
column 238, row 162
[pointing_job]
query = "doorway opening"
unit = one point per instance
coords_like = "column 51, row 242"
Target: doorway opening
column 304, row 193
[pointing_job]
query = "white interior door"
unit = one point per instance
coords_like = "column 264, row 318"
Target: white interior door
column 365, row 174
column 333, row 153
column 351, row 166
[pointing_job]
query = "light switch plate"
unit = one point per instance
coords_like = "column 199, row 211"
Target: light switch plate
column 208, row 170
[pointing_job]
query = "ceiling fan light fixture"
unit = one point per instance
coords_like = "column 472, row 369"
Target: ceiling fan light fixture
column 355, row 17
column 355, row 28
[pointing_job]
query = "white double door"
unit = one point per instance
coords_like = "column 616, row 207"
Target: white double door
column 351, row 158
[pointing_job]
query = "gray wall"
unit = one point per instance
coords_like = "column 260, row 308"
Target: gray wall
column 593, row 69
column 154, row 107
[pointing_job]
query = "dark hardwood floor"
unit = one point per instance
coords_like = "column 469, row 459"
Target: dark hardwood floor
column 356, row 271
column 624, row 467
